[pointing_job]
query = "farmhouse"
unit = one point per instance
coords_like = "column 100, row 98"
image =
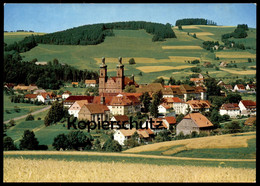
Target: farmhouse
column 90, row 83
column 120, row 119
column 247, row 107
column 46, row 97
column 231, row 109
column 198, row 105
column 72, row 99
column 113, row 84
column 239, row 88
column 122, row 135
column 193, row 122
column 66, row 94
column 251, row 87
column 94, row 112
column 164, row 108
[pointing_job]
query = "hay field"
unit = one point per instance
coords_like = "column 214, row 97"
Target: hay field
column 182, row 47
column 32, row 170
column 147, row 69
column 22, row 33
column 182, row 58
column 223, row 141
column 235, row 55
column 244, row 72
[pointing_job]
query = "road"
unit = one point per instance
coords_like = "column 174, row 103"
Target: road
column 24, row 116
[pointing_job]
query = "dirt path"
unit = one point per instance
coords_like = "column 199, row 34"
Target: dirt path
column 117, row 154
column 24, row 116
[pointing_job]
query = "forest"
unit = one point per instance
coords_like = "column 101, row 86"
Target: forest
column 91, row 34
column 50, row 76
column 194, row 21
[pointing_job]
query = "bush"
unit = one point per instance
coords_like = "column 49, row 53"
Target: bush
column 112, row 146
column 8, row 143
column 28, row 141
column 131, row 61
column 29, row 117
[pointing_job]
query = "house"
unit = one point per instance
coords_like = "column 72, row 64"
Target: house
column 170, row 121
column 72, row 99
column 150, row 88
column 66, row 94
column 223, row 64
column 90, row 83
column 75, row 108
column 9, row 85
column 155, row 124
column 193, row 122
column 250, row 121
column 122, row 135
column 239, row 88
column 228, row 87
column 94, row 112
column 46, row 97
column 231, row 109
column 115, row 84
column 120, row 119
column 179, row 106
column 31, row 87
column 198, row 105
column 164, row 108
column 41, row 63
column 247, row 107
column 197, row 81
column 75, row 84
column 122, row 104
column 30, row 97
column 250, row 87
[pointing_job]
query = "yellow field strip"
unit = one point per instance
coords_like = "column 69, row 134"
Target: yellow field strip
column 147, row 69
column 235, row 55
column 183, row 47
column 245, row 72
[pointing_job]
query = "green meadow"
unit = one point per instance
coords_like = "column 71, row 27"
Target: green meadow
column 174, row 52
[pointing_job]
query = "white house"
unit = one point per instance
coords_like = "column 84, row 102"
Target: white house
column 179, row 106
column 120, row 119
column 122, row 135
column 164, row 108
column 156, row 124
column 247, row 107
column 198, row 105
column 66, row 94
column 250, row 87
column 239, row 88
column 45, row 97
column 75, row 108
column 231, row 109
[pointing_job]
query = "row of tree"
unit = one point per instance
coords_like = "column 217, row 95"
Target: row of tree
column 50, row 76
column 239, row 32
column 194, row 21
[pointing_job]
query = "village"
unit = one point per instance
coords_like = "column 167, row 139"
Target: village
column 181, row 110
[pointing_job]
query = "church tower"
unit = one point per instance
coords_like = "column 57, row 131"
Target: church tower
column 120, row 75
column 102, row 76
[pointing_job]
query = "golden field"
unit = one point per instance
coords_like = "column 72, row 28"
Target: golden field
column 223, row 141
column 31, row 170
column 182, row 58
column 147, row 69
column 235, row 55
column 244, row 72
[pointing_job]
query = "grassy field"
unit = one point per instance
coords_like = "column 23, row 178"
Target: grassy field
column 51, row 170
column 138, row 44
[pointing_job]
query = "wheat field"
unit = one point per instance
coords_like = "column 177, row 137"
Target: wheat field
column 147, row 69
column 190, row 47
column 31, row 170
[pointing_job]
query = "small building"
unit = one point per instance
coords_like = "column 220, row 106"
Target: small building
column 247, row 107
column 231, row 109
column 41, row 63
column 66, row 94
column 45, row 97
column 164, row 108
column 30, row 97
column 251, row 87
column 239, row 88
column 75, row 84
column 75, row 108
column 170, row 121
column 122, row 135
column 90, row 83
column 194, row 122
column 157, row 125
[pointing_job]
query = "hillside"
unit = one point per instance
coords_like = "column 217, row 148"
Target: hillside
column 156, row 59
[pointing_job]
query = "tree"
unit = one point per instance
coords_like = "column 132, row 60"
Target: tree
column 8, row 143
column 146, row 101
column 179, row 118
column 131, row 61
column 215, row 118
column 233, row 127
column 172, row 81
column 55, row 114
column 28, row 141
column 234, row 98
column 159, row 80
column 130, row 88
column 112, row 146
column 194, row 35
column 60, row 142
column 162, row 136
column 212, row 88
column 77, row 139
column 29, row 117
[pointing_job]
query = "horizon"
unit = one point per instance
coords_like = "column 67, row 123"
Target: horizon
column 48, row 18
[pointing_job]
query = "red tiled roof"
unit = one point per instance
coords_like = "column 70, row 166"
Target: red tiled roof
column 240, row 86
column 30, row 96
column 230, row 106
column 248, row 103
column 199, row 119
column 77, row 98
column 196, row 104
column 170, row 119
column 96, row 108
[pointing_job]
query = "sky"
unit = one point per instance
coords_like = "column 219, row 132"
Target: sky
column 49, row 18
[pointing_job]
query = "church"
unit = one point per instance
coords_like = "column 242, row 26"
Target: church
column 114, row 84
